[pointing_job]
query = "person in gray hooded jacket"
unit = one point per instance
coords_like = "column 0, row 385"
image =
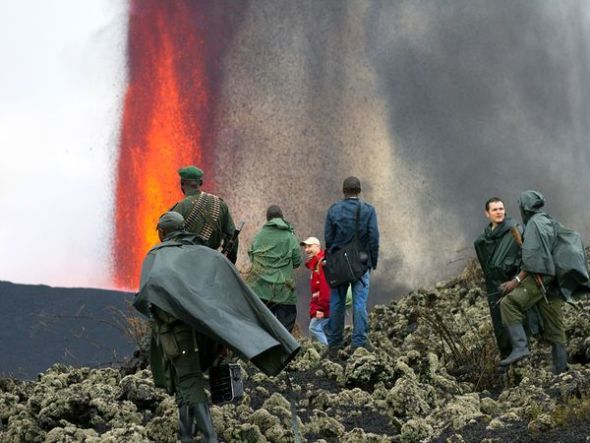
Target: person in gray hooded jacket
column 526, row 288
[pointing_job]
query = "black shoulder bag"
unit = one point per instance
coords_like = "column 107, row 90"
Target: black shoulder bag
column 348, row 263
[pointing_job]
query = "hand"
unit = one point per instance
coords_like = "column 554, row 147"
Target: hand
column 315, row 294
column 222, row 355
column 508, row 286
column 319, row 314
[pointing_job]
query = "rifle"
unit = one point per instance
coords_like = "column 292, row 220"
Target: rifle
column 537, row 277
column 229, row 245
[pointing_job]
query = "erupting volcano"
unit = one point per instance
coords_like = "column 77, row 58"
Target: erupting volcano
column 166, row 109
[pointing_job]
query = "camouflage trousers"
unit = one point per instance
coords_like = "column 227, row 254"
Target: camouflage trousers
column 514, row 305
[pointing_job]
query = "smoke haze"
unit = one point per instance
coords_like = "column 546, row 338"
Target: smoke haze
column 436, row 106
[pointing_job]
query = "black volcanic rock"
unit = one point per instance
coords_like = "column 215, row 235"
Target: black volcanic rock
column 42, row 325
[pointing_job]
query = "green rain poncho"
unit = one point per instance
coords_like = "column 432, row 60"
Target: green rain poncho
column 498, row 255
column 551, row 249
column 274, row 254
column 199, row 286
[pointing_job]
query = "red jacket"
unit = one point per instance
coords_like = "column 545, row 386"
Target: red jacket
column 319, row 284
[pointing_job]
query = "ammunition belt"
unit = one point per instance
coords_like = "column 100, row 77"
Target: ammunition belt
column 200, row 209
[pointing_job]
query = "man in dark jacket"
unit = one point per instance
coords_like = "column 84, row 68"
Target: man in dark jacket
column 526, row 290
column 197, row 302
column 499, row 257
column 339, row 229
column 205, row 214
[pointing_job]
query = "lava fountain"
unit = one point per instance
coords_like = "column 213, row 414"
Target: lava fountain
column 165, row 102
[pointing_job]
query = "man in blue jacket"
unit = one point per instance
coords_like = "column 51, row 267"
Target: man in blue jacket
column 339, row 230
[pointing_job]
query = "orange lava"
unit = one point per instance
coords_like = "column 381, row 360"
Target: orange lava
column 160, row 127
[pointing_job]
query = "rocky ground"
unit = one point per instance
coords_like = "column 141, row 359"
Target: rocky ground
column 431, row 377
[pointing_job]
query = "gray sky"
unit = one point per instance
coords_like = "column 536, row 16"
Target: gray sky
column 61, row 88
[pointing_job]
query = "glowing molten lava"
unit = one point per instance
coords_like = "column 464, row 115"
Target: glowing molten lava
column 164, row 104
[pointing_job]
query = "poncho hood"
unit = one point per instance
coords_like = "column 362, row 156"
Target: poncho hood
column 530, row 202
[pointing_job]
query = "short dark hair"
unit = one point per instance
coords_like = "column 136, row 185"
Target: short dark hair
column 273, row 211
column 351, row 185
column 493, row 200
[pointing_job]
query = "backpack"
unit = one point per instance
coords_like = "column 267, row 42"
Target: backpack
column 569, row 256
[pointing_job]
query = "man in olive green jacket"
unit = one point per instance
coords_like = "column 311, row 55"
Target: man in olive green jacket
column 205, row 214
column 274, row 254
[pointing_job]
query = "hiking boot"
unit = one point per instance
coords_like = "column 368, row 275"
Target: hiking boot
column 332, row 351
column 520, row 348
column 559, row 354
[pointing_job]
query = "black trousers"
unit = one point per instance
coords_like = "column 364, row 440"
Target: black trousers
column 286, row 314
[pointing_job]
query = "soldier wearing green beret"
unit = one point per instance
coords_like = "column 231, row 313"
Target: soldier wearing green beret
column 205, row 214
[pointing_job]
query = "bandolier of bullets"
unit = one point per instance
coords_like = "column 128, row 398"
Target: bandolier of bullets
column 199, row 209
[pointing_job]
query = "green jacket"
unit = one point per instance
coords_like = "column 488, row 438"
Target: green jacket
column 201, row 288
column 551, row 249
column 222, row 225
column 498, row 255
column 274, row 254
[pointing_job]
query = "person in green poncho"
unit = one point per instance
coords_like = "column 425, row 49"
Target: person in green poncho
column 274, row 254
column 178, row 344
column 198, row 305
column 499, row 257
column 522, row 291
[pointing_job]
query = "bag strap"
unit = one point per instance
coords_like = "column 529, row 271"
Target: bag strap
column 356, row 226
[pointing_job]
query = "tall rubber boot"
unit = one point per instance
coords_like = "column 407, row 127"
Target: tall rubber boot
column 518, row 340
column 559, row 354
column 186, row 424
column 204, row 423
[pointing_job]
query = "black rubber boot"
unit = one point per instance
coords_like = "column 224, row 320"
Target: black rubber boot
column 204, row 423
column 186, row 424
column 518, row 340
column 559, row 354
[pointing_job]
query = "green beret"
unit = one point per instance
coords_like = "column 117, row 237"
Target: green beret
column 171, row 221
column 190, row 173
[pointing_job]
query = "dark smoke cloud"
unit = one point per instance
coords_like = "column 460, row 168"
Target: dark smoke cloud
column 435, row 105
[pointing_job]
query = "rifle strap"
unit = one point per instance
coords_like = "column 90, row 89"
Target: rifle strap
column 200, row 210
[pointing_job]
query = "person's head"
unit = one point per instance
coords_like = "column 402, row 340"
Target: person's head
column 191, row 179
column 168, row 223
column 495, row 211
column 273, row 211
column 530, row 202
column 311, row 246
column 351, row 186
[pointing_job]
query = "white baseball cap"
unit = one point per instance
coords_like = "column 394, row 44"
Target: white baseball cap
column 310, row 241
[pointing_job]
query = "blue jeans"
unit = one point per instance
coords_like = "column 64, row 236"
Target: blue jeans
column 316, row 328
column 360, row 318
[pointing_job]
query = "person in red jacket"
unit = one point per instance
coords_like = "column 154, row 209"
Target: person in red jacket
column 319, row 305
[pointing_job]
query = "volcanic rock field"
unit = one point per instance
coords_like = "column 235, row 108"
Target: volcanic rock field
column 431, row 377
